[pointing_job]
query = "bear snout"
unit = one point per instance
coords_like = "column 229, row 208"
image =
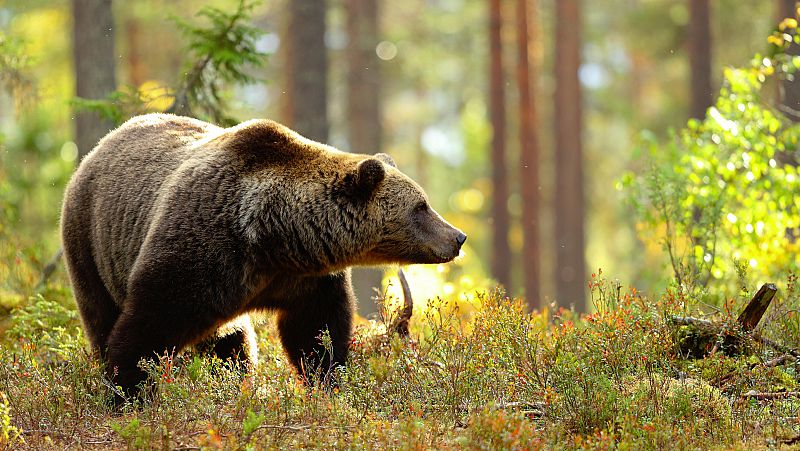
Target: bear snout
column 453, row 249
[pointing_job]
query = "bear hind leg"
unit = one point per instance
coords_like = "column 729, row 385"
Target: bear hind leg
column 97, row 308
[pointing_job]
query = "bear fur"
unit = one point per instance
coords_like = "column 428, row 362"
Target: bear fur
column 175, row 229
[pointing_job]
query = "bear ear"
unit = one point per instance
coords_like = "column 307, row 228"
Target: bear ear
column 386, row 159
column 369, row 174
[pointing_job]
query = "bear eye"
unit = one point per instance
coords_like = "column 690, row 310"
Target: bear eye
column 422, row 206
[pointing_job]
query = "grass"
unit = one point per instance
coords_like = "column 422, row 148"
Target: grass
column 482, row 375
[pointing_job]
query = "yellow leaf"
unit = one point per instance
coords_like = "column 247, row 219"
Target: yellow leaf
column 775, row 40
column 787, row 23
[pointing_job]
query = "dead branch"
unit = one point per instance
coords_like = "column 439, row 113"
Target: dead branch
column 791, row 441
column 777, row 346
column 50, row 268
column 400, row 324
column 752, row 394
column 690, row 321
column 301, row 427
column 534, row 409
column 46, row 432
column 777, row 361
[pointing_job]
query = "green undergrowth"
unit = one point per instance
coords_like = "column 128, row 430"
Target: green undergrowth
column 486, row 375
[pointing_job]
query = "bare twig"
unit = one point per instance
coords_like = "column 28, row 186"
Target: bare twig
column 433, row 363
column 536, row 408
column 301, row 427
column 690, row 321
column 780, row 360
column 44, row 432
column 50, row 268
column 761, row 396
column 777, row 346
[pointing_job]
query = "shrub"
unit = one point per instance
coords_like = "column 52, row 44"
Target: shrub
column 722, row 189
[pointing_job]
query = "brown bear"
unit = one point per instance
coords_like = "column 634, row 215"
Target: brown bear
column 174, row 229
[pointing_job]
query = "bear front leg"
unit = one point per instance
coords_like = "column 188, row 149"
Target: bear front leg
column 325, row 304
column 145, row 334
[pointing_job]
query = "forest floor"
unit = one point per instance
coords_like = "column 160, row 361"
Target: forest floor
column 482, row 374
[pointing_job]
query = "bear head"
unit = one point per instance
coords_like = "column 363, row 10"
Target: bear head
column 410, row 231
column 314, row 208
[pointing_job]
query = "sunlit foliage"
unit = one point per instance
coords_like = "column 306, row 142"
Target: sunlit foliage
column 720, row 194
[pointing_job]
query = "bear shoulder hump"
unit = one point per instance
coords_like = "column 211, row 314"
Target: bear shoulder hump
column 267, row 142
column 166, row 122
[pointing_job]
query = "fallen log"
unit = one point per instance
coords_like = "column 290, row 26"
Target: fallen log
column 700, row 337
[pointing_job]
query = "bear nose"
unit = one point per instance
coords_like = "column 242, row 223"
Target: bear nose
column 461, row 238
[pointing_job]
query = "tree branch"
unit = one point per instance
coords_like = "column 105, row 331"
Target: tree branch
column 400, row 324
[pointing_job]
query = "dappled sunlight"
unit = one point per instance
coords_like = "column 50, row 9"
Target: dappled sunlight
column 658, row 142
column 446, row 281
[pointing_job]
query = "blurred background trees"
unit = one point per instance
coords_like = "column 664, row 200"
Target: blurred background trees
column 569, row 203
column 364, row 112
column 94, row 61
column 588, row 88
column 699, row 49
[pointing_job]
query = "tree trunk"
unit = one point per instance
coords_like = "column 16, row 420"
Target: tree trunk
column 529, row 156
column 699, row 41
column 789, row 89
column 501, row 253
column 570, row 264
column 363, row 77
column 364, row 113
column 137, row 70
column 307, row 70
column 93, row 54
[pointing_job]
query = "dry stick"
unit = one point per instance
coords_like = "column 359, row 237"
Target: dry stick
column 400, row 324
column 771, row 395
column 780, row 360
column 536, row 408
column 301, row 427
column 690, row 321
column 50, row 268
column 44, row 432
column 777, row 346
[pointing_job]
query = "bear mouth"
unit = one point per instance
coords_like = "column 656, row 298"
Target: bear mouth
column 434, row 257
column 417, row 255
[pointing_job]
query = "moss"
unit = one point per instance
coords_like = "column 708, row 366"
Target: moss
column 681, row 400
